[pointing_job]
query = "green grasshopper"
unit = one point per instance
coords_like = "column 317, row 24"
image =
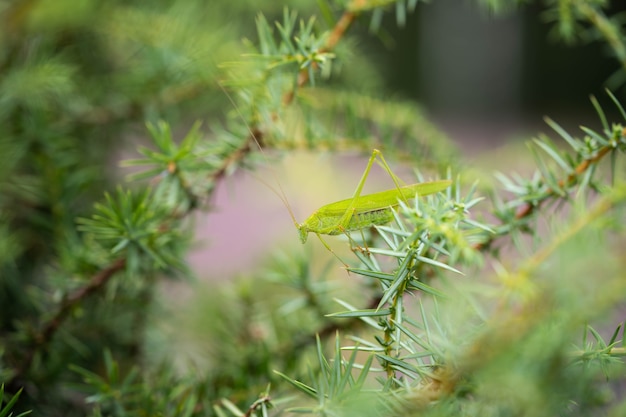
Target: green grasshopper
column 363, row 211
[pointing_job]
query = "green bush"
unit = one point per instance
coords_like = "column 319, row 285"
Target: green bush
column 479, row 300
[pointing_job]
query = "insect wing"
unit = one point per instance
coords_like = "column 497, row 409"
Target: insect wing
column 382, row 199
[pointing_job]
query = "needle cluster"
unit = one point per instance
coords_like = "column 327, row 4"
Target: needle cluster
column 475, row 300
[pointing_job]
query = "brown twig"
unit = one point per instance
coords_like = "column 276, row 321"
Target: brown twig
column 44, row 336
column 257, row 404
column 255, row 137
column 529, row 208
column 99, row 280
column 335, row 36
column 339, row 30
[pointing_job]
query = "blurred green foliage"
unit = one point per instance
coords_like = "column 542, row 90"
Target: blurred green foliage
column 470, row 302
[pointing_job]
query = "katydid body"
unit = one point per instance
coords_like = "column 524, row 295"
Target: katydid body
column 362, row 211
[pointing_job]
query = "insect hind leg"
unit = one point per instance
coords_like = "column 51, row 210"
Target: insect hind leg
column 380, row 160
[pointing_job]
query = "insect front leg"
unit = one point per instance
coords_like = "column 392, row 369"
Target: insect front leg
column 327, row 246
column 351, row 210
column 344, row 227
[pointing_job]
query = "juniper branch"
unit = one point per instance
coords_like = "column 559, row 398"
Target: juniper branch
column 528, row 208
column 99, row 281
column 265, row 399
column 335, row 36
column 48, row 330
column 605, row 27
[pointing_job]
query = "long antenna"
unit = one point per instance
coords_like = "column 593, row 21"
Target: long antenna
column 280, row 193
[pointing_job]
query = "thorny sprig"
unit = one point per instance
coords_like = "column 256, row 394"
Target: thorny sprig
column 184, row 174
column 411, row 257
column 426, row 238
column 143, row 230
column 432, row 235
column 583, row 20
column 560, row 173
column 336, row 384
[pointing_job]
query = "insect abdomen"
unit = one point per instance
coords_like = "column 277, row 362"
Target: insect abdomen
column 365, row 219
